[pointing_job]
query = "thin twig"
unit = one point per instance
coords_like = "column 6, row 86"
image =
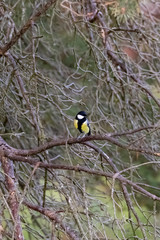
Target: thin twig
column 26, row 26
column 53, row 216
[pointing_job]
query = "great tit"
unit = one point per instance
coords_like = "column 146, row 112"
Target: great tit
column 81, row 123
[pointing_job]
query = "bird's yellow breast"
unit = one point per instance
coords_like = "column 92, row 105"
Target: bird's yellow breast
column 85, row 127
column 75, row 123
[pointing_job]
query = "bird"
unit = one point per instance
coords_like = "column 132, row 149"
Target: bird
column 81, row 123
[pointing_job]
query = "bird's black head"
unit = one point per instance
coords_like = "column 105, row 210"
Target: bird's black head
column 81, row 115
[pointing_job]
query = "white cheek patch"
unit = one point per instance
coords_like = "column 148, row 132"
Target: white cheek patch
column 80, row 116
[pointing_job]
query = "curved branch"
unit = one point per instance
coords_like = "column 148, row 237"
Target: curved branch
column 27, row 25
column 53, row 217
column 78, row 168
column 115, row 60
column 70, row 141
column 129, row 132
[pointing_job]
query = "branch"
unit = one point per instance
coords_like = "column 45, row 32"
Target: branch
column 70, row 141
column 27, row 25
column 13, row 203
column 24, row 93
column 53, row 217
column 130, row 207
column 113, row 57
column 78, row 168
column 117, row 175
column 129, row 132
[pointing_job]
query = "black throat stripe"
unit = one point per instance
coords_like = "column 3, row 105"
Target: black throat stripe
column 80, row 122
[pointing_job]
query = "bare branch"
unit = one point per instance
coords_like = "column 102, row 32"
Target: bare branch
column 77, row 168
column 27, row 25
column 13, row 203
column 70, row 141
column 24, row 93
column 113, row 56
column 54, row 217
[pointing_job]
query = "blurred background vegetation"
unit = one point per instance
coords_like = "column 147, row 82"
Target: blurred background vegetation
column 65, row 67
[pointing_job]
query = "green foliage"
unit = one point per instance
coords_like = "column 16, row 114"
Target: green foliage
column 125, row 10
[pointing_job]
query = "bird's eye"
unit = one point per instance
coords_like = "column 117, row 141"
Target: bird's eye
column 80, row 116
